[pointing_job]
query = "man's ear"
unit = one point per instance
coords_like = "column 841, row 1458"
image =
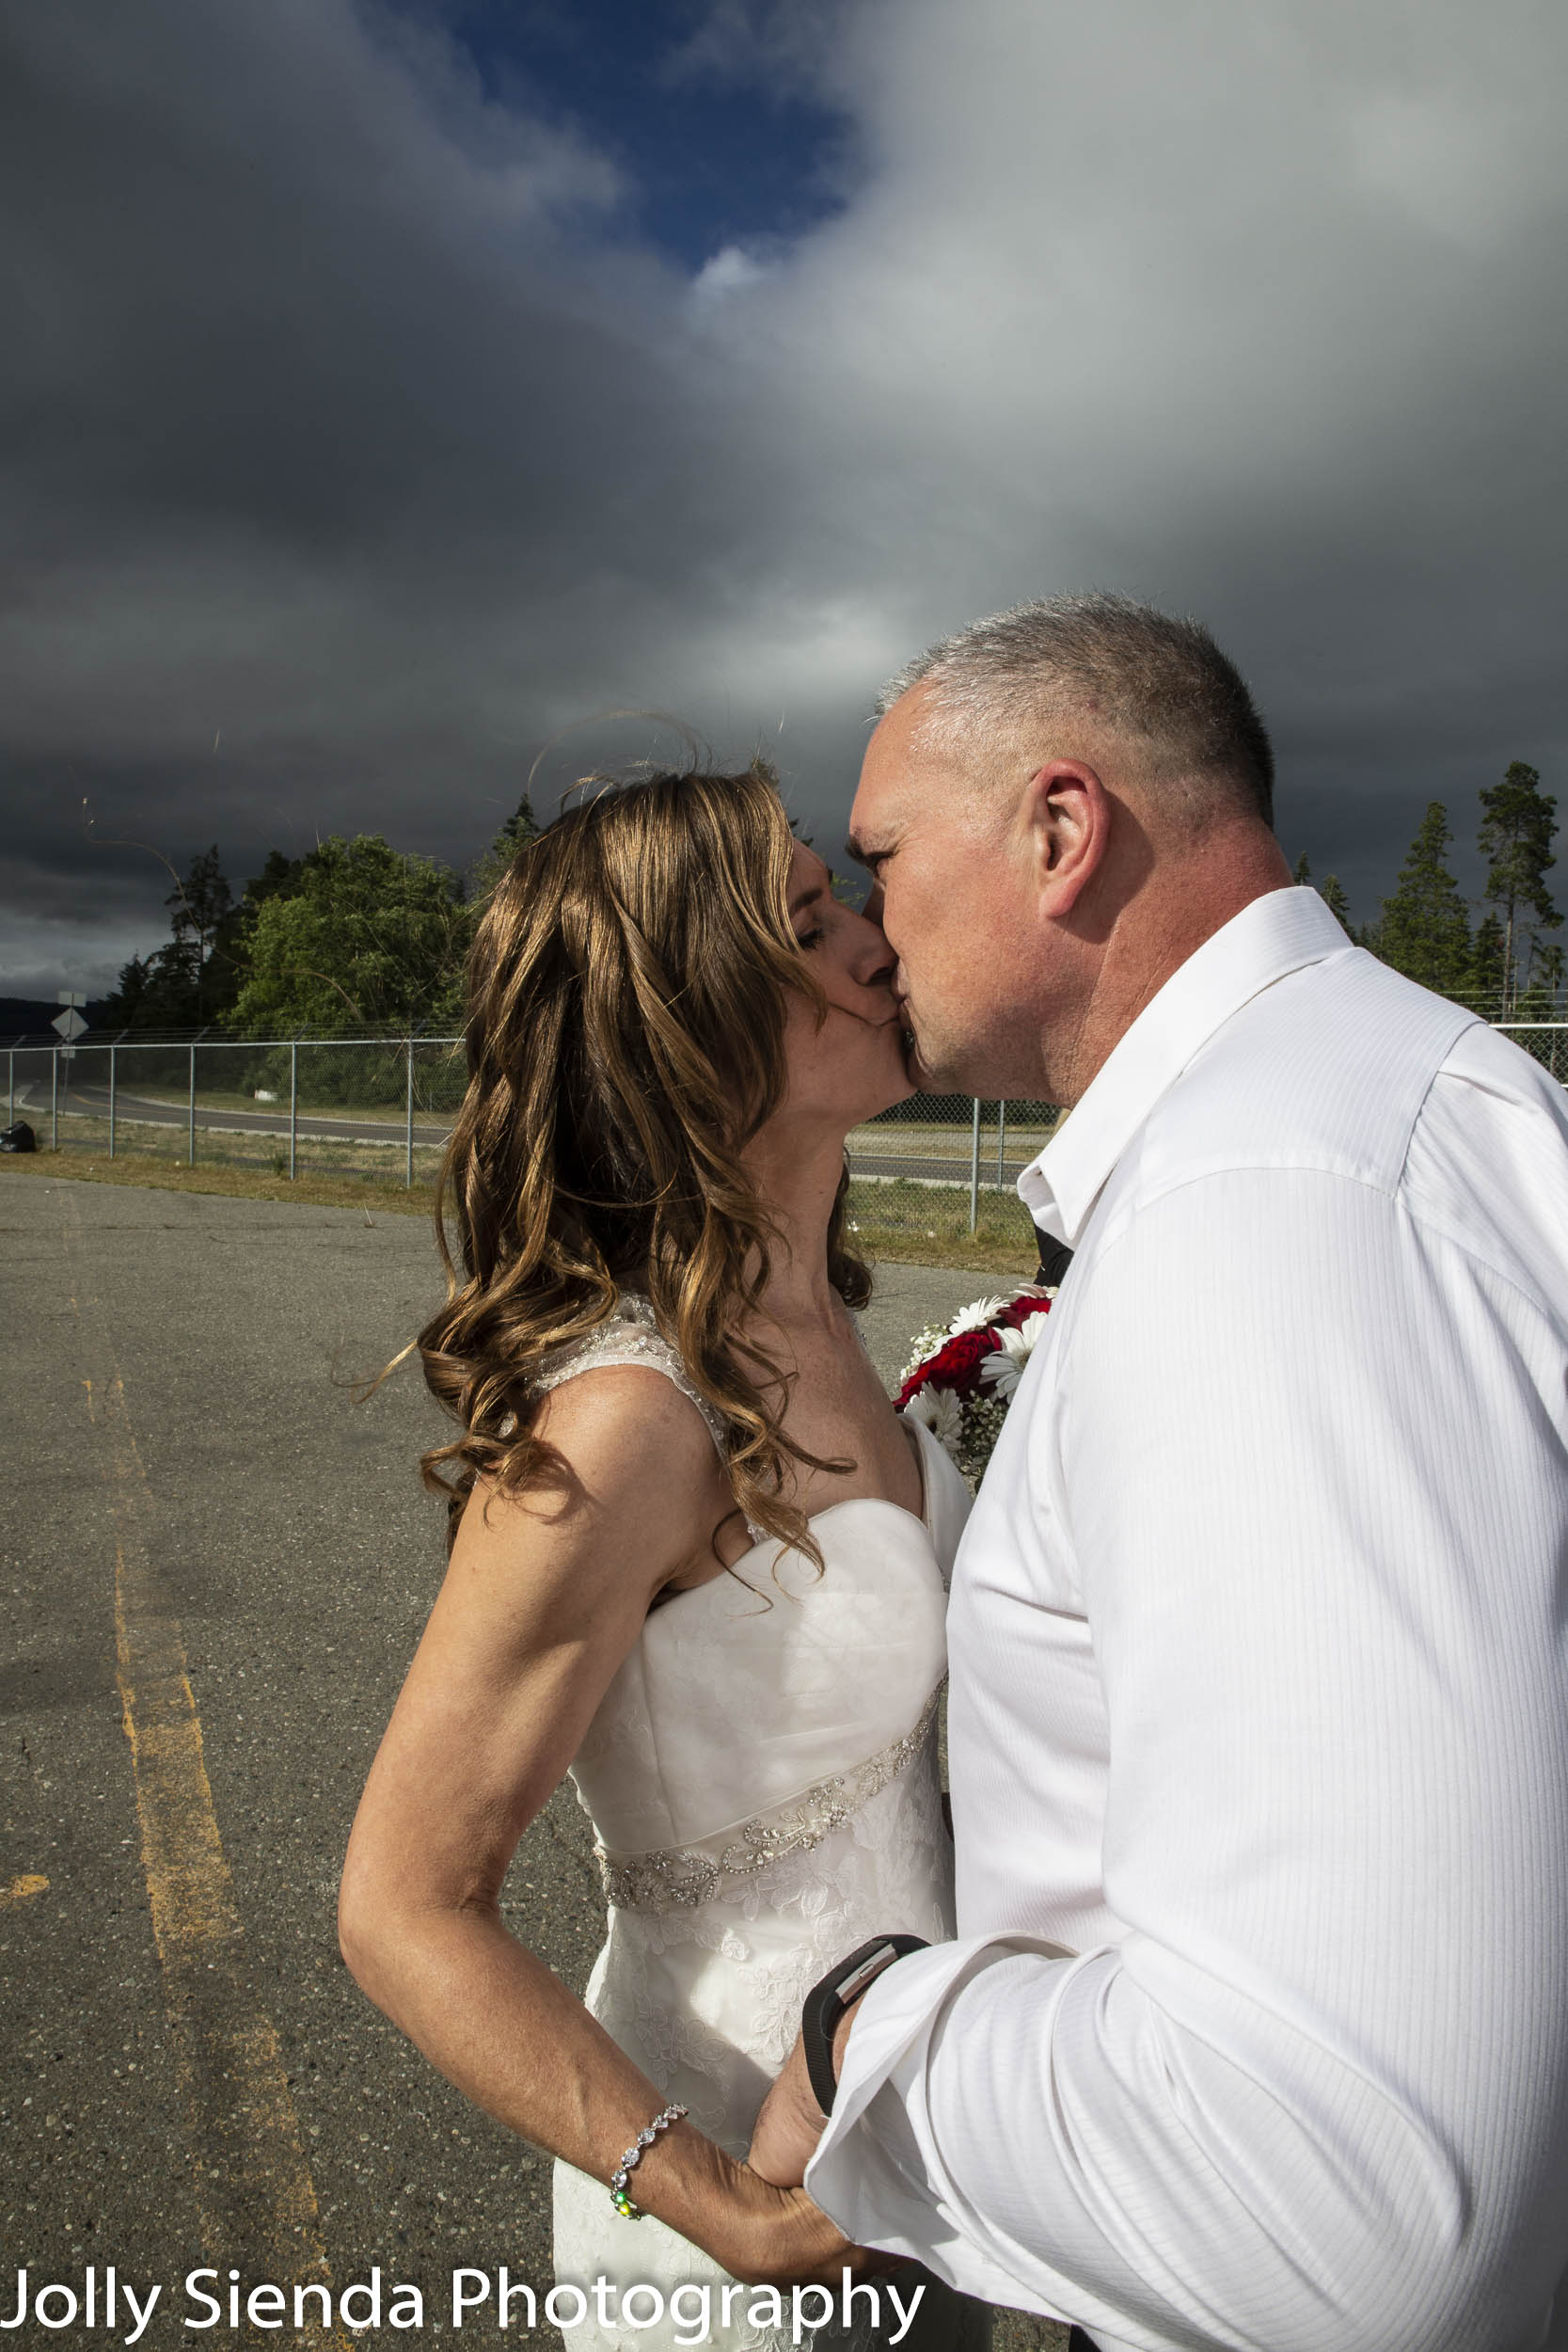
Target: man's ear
column 1068, row 812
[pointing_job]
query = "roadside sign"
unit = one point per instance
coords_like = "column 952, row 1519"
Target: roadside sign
column 69, row 1025
column 68, row 996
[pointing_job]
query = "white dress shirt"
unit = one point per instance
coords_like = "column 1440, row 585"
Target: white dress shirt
column 1256, row 2033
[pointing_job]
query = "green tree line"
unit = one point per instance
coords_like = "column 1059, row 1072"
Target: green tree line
column 352, row 939
column 1505, row 967
column 359, row 937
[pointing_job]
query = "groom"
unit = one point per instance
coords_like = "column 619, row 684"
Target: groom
column 1256, row 2030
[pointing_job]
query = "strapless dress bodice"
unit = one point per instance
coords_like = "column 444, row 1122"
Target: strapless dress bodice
column 758, row 1685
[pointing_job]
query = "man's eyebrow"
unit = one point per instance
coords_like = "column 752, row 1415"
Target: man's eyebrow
column 855, row 848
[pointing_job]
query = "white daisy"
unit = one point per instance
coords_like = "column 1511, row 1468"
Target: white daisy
column 940, row 1411
column 1002, row 1369
column 976, row 1318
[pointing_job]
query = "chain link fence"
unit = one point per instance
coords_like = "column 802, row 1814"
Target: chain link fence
column 1545, row 1041
column 935, row 1173
column 376, row 1107
column 933, row 1169
column 941, row 1168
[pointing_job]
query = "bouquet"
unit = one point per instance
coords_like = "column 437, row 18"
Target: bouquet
column 961, row 1378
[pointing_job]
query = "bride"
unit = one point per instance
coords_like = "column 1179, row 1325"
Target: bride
column 696, row 1559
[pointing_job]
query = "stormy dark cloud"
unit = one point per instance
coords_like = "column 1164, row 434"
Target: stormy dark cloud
column 382, row 396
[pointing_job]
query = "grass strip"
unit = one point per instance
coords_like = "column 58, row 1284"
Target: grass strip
column 892, row 1224
column 229, row 1180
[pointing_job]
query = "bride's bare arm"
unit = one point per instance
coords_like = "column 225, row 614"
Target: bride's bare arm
column 545, row 1596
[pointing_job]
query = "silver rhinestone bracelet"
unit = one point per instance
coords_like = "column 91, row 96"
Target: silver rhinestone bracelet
column 633, row 2157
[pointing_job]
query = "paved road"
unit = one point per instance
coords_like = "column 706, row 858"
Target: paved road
column 92, row 1102
column 207, row 1544
column 32, row 1103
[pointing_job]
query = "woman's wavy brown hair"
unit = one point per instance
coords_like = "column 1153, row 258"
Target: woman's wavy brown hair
column 625, row 1027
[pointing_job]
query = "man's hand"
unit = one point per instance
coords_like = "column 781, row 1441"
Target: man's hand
column 776, row 2237
column 791, row 2123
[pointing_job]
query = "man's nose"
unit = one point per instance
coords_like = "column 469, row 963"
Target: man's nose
column 876, row 961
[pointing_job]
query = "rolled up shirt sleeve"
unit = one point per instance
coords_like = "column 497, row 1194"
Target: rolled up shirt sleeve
column 1299, row 1449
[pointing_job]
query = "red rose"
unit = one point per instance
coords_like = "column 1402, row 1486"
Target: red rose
column 1017, row 1311
column 956, row 1365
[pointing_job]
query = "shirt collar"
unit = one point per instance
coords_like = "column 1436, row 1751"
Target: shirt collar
column 1275, row 934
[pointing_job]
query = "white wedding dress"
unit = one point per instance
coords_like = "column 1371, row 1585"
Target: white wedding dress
column 762, row 1780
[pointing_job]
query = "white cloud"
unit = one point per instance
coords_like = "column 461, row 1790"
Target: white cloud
column 732, row 270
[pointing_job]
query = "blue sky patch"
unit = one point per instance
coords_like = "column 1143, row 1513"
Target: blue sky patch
column 714, row 159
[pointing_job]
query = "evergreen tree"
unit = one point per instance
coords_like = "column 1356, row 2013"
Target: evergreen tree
column 1540, row 1000
column 184, row 983
column 1486, row 991
column 157, row 991
column 1424, row 931
column 124, row 1008
column 520, row 828
column 277, row 879
column 197, row 907
column 1332, row 892
column 1518, row 823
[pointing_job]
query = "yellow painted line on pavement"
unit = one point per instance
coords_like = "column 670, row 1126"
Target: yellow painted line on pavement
column 254, row 2193
column 18, row 1890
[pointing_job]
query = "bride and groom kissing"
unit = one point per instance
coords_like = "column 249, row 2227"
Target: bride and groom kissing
column 1234, row 2014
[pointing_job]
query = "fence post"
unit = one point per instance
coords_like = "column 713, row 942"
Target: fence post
column 55, row 1100
column 10, row 1087
column 1001, row 1141
column 974, row 1170
column 293, row 1103
column 113, row 1051
column 408, row 1165
column 190, row 1123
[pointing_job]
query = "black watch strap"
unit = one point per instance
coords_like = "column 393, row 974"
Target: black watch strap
column 827, row 2001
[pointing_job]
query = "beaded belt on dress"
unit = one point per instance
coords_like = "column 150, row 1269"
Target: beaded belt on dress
column 695, row 1874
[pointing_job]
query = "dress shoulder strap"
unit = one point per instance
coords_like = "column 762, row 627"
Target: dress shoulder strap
column 629, row 1336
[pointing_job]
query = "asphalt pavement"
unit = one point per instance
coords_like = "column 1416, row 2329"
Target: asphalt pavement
column 215, row 1563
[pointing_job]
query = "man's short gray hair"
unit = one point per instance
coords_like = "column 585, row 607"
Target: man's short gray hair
column 1163, row 685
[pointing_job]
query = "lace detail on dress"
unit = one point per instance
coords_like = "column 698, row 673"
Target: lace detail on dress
column 630, row 1336
column 690, row 1875
column 707, row 2000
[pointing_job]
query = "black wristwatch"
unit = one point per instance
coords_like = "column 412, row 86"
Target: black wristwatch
column 826, row 2003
